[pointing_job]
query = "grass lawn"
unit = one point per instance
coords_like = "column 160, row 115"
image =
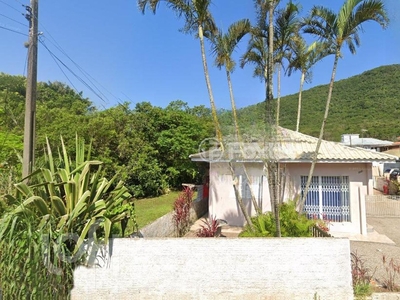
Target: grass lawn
column 150, row 209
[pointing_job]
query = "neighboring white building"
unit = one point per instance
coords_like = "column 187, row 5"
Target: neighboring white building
column 354, row 140
column 342, row 178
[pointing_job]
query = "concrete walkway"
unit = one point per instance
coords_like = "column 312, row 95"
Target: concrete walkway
column 233, row 231
column 226, row 230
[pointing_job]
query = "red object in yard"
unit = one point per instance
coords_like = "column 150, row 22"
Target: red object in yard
column 205, row 190
column 385, row 189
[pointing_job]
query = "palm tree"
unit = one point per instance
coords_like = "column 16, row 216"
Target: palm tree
column 286, row 27
column 337, row 29
column 257, row 54
column 264, row 34
column 304, row 58
column 199, row 20
column 223, row 47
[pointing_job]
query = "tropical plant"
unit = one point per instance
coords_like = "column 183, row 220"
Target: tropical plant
column 361, row 276
column 337, row 29
column 198, row 19
column 286, row 28
column 223, row 47
column 52, row 217
column 303, row 58
column 293, row 223
column 181, row 214
column 209, row 228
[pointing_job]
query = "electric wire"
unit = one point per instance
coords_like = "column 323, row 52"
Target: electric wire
column 85, row 74
column 14, row 20
column 57, row 63
column 12, row 30
column 92, row 86
column 73, row 73
column 10, row 6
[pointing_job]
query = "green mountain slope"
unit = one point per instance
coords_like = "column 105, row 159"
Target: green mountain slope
column 369, row 101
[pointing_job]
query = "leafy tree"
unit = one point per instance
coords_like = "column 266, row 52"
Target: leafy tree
column 338, row 29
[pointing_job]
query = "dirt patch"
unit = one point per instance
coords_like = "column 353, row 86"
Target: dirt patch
column 372, row 253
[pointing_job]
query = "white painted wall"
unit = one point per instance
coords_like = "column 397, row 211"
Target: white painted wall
column 222, row 268
column 223, row 204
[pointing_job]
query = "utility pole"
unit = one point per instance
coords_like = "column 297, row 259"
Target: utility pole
column 31, row 84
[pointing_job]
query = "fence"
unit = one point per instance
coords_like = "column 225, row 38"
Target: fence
column 382, row 206
column 318, row 232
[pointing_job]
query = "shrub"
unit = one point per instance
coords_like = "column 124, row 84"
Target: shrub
column 361, row 276
column 293, row 224
column 181, row 215
column 392, row 268
column 51, row 217
column 209, row 229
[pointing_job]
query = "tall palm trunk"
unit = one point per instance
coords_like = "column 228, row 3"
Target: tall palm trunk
column 270, row 49
column 278, row 101
column 321, row 133
column 303, row 75
column 272, row 169
column 233, row 105
column 210, row 93
column 237, row 133
column 238, row 196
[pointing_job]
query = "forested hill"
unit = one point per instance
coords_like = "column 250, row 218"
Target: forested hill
column 369, row 101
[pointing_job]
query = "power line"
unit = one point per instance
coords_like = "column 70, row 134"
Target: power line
column 12, row 7
column 14, row 20
column 73, row 73
column 87, row 76
column 12, row 30
column 55, row 60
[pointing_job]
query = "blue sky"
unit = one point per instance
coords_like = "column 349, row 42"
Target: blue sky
column 133, row 57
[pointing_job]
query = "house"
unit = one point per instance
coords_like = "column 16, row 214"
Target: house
column 341, row 180
column 354, row 140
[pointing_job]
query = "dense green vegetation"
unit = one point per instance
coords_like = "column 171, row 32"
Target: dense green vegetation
column 49, row 218
column 368, row 101
column 148, row 147
column 292, row 224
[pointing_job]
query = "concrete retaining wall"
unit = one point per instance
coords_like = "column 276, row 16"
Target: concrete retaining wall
column 164, row 226
column 220, row 268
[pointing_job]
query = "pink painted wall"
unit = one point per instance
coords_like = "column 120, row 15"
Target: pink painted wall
column 223, row 204
column 222, row 200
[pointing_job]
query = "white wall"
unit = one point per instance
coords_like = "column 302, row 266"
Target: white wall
column 222, row 268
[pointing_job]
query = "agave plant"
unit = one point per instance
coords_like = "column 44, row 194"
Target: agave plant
column 66, row 205
column 75, row 197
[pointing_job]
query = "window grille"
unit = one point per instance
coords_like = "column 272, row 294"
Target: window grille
column 327, row 198
column 256, row 186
